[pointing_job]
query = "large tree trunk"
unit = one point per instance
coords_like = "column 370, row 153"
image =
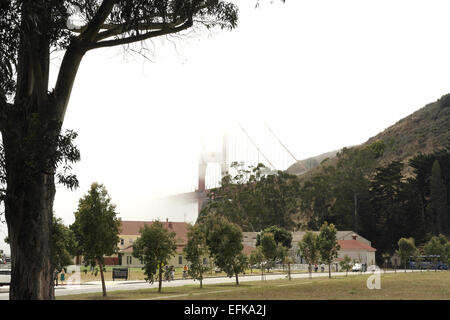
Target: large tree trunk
column 30, row 123
column 28, row 210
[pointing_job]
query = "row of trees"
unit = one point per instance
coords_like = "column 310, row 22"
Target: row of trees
column 322, row 247
column 381, row 203
column 438, row 248
column 255, row 198
column 352, row 192
column 214, row 237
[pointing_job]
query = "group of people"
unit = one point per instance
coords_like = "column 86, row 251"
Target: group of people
column 322, row 267
column 61, row 275
column 169, row 272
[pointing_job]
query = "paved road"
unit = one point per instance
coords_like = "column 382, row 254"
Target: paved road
column 95, row 286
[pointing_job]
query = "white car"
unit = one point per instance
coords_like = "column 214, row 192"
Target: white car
column 357, row 267
column 5, row 277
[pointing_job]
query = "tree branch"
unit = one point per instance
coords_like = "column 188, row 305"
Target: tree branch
column 118, row 29
column 93, row 27
column 140, row 37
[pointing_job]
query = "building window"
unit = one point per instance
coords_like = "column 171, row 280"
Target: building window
column 205, row 261
column 180, row 259
column 121, row 242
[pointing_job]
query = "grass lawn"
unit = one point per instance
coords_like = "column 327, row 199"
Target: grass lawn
column 418, row 285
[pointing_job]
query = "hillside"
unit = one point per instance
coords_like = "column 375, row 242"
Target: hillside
column 424, row 131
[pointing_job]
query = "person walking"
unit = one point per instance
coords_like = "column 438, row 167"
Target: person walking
column 172, row 273
column 62, row 277
column 55, row 277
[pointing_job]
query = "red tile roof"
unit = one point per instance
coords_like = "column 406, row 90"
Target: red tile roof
column 129, row 249
column 355, row 245
column 247, row 249
column 133, row 228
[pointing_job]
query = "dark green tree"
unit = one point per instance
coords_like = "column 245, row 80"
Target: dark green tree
column 328, row 245
column 439, row 209
column 280, row 235
column 386, row 198
column 350, row 183
column 436, row 248
column 64, row 245
column 269, row 248
column 32, row 112
column 96, row 228
column 317, row 198
column 155, row 247
column 422, row 165
column 224, row 240
column 308, row 247
column 195, row 250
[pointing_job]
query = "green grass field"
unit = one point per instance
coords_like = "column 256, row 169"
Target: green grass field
column 420, row 285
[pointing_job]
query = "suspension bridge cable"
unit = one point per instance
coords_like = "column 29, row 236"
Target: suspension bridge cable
column 254, row 144
column 280, row 142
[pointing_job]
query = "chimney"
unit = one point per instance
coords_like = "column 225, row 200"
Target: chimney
column 354, row 236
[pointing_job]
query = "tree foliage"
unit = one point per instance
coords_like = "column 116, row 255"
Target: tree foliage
column 96, row 227
column 406, row 249
column 255, row 199
column 380, row 202
column 346, row 264
column 155, row 247
column 64, row 245
column 224, row 240
column 280, row 236
column 308, row 247
column 195, row 250
column 328, row 245
column 437, row 247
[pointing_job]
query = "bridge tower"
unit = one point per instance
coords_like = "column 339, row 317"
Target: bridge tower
column 209, row 157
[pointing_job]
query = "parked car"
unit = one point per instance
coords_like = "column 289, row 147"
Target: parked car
column 357, row 267
column 5, row 277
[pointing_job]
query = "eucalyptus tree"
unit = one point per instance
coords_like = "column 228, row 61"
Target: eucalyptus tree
column 328, row 245
column 96, row 228
column 32, row 112
column 308, row 247
column 155, row 247
column 196, row 250
column 224, row 240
